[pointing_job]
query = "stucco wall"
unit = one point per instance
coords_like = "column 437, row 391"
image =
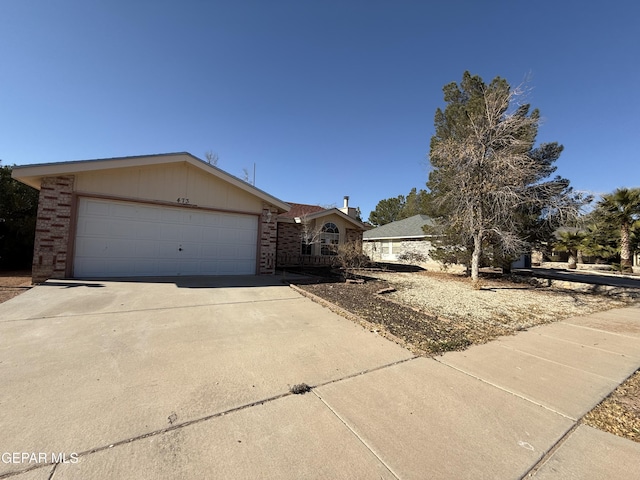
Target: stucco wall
column 175, row 183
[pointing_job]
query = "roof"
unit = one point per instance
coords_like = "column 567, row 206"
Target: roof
column 301, row 209
column 311, row 212
column 32, row 174
column 407, row 228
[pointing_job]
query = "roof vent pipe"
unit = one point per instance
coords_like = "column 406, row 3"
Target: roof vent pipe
column 346, row 201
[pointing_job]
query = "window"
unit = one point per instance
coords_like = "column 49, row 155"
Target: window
column 329, row 239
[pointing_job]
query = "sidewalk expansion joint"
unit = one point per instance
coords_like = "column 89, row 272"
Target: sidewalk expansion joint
column 358, row 437
column 507, row 390
column 515, row 349
column 593, row 347
column 599, row 330
column 155, row 309
column 554, row 448
column 202, row 419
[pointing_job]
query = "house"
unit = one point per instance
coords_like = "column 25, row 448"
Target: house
column 311, row 234
column 155, row 215
column 388, row 242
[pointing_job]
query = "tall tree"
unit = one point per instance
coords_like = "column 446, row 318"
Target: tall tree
column 396, row 208
column 489, row 181
column 416, row 203
column 18, row 212
column 621, row 209
column 387, row 211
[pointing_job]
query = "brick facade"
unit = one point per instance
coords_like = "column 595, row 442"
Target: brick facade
column 289, row 239
column 290, row 243
column 268, row 240
column 52, row 228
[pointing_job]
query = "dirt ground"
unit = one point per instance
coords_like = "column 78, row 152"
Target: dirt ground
column 13, row 284
column 431, row 313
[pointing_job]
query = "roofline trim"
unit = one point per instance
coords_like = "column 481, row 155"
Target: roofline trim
column 32, row 174
column 399, row 237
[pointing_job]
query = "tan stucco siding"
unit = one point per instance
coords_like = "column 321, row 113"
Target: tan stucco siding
column 175, row 183
column 338, row 221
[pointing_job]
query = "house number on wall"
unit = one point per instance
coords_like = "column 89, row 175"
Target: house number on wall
column 184, row 201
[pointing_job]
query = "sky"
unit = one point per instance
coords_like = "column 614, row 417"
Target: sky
column 326, row 98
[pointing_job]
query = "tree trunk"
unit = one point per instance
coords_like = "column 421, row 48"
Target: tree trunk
column 579, row 256
column 625, row 249
column 475, row 257
column 572, row 260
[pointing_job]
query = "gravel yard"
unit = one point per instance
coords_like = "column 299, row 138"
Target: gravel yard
column 499, row 302
column 437, row 312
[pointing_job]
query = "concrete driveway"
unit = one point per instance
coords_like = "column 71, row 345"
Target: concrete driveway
column 90, row 365
column 184, row 379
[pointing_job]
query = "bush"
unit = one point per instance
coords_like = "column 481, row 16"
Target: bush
column 412, row 257
column 350, row 256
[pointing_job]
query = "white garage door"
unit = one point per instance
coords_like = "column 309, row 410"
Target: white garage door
column 122, row 239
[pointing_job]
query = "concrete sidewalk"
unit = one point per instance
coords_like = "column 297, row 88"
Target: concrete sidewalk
column 507, row 409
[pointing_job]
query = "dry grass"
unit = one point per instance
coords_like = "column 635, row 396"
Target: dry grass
column 619, row 413
column 13, row 284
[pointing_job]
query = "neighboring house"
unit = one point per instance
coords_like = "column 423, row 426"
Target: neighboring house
column 311, row 234
column 388, row 242
column 159, row 215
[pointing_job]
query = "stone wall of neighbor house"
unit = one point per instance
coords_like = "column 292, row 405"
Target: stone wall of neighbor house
column 268, row 240
column 53, row 227
column 419, row 247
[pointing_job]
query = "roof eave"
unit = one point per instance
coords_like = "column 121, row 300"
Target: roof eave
column 32, row 174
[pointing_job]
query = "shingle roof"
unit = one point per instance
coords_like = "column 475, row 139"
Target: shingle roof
column 407, row 228
column 301, row 209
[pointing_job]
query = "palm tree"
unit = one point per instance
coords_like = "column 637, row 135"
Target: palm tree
column 622, row 209
column 570, row 242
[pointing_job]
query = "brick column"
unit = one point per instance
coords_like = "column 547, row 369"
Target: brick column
column 268, row 238
column 52, row 228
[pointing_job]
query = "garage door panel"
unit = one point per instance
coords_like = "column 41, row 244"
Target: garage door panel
column 96, row 208
column 90, row 227
column 171, row 216
column 93, row 248
column 166, row 250
column 148, row 213
column 147, row 231
column 191, row 233
column 121, row 210
column 126, row 239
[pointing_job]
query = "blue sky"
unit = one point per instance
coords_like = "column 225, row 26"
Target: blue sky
column 327, row 97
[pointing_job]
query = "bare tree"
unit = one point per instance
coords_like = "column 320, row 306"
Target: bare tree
column 311, row 233
column 488, row 180
column 212, row 158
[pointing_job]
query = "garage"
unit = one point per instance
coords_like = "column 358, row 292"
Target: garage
column 153, row 215
column 122, row 239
